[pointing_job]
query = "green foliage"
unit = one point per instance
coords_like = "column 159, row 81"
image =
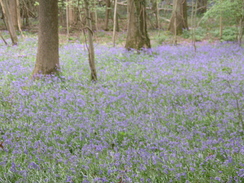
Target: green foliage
column 186, row 34
column 161, row 38
column 229, row 34
column 230, row 10
column 199, row 33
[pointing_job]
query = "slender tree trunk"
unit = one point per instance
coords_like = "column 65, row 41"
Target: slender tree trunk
column 108, row 10
column 8, row 21
column 241, row 31
column 93, row 20
column 137, row 36
column 193, row 24
column 178, row 20
column 157, row 15
column 156, row 12
column 3, row 39
column 47, row 59
column 90, row 42
column 67, row 19
column 115, row 21
column 220, row 27
column 95, row 16
column 220, row 24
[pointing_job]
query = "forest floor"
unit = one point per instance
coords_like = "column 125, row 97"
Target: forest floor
column 168, row 114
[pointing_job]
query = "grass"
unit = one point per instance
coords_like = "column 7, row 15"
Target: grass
column 165, row 115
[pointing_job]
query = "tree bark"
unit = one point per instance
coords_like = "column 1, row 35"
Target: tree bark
column 71, row 12
column 14, row 13
column 91, row 55
column 178, row 20
column 47, row 59
column 115, row 21
column 155, row 10
column 108, row 10
column 137, row 36
column 8, row 21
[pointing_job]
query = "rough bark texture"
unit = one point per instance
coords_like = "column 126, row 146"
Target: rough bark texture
column 178, row 20
column 137, row 36
column 8, row 21
column 47, row 59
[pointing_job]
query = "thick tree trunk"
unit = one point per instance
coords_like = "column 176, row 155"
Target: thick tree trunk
column 47, row 60
column 108, row 10
column 178, row 20
column 137, row 36
column 8, row 21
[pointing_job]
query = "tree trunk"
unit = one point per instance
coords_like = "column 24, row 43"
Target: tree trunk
column 241, row 30
column 67, row 19
column 3, row 39
column 14, row 13
column 156, row 12
column 137, row 36
column 115, row 21
column 93, row 21
column 47, row 59
column 18, row 17
column 71, row 13
column 8, row 21
column 108, row 10
column 178, row 20
column 90, row 42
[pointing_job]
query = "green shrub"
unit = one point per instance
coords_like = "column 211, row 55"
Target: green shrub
column 199, row 33
column 161, row 38
column 229, row 34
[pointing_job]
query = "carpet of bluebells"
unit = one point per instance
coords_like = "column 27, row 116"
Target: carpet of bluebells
column 168, row 114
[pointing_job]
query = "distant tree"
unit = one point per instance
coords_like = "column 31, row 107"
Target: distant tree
column 47, row 59
column 137, row 36
column 5, row 4
column 178, row 20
